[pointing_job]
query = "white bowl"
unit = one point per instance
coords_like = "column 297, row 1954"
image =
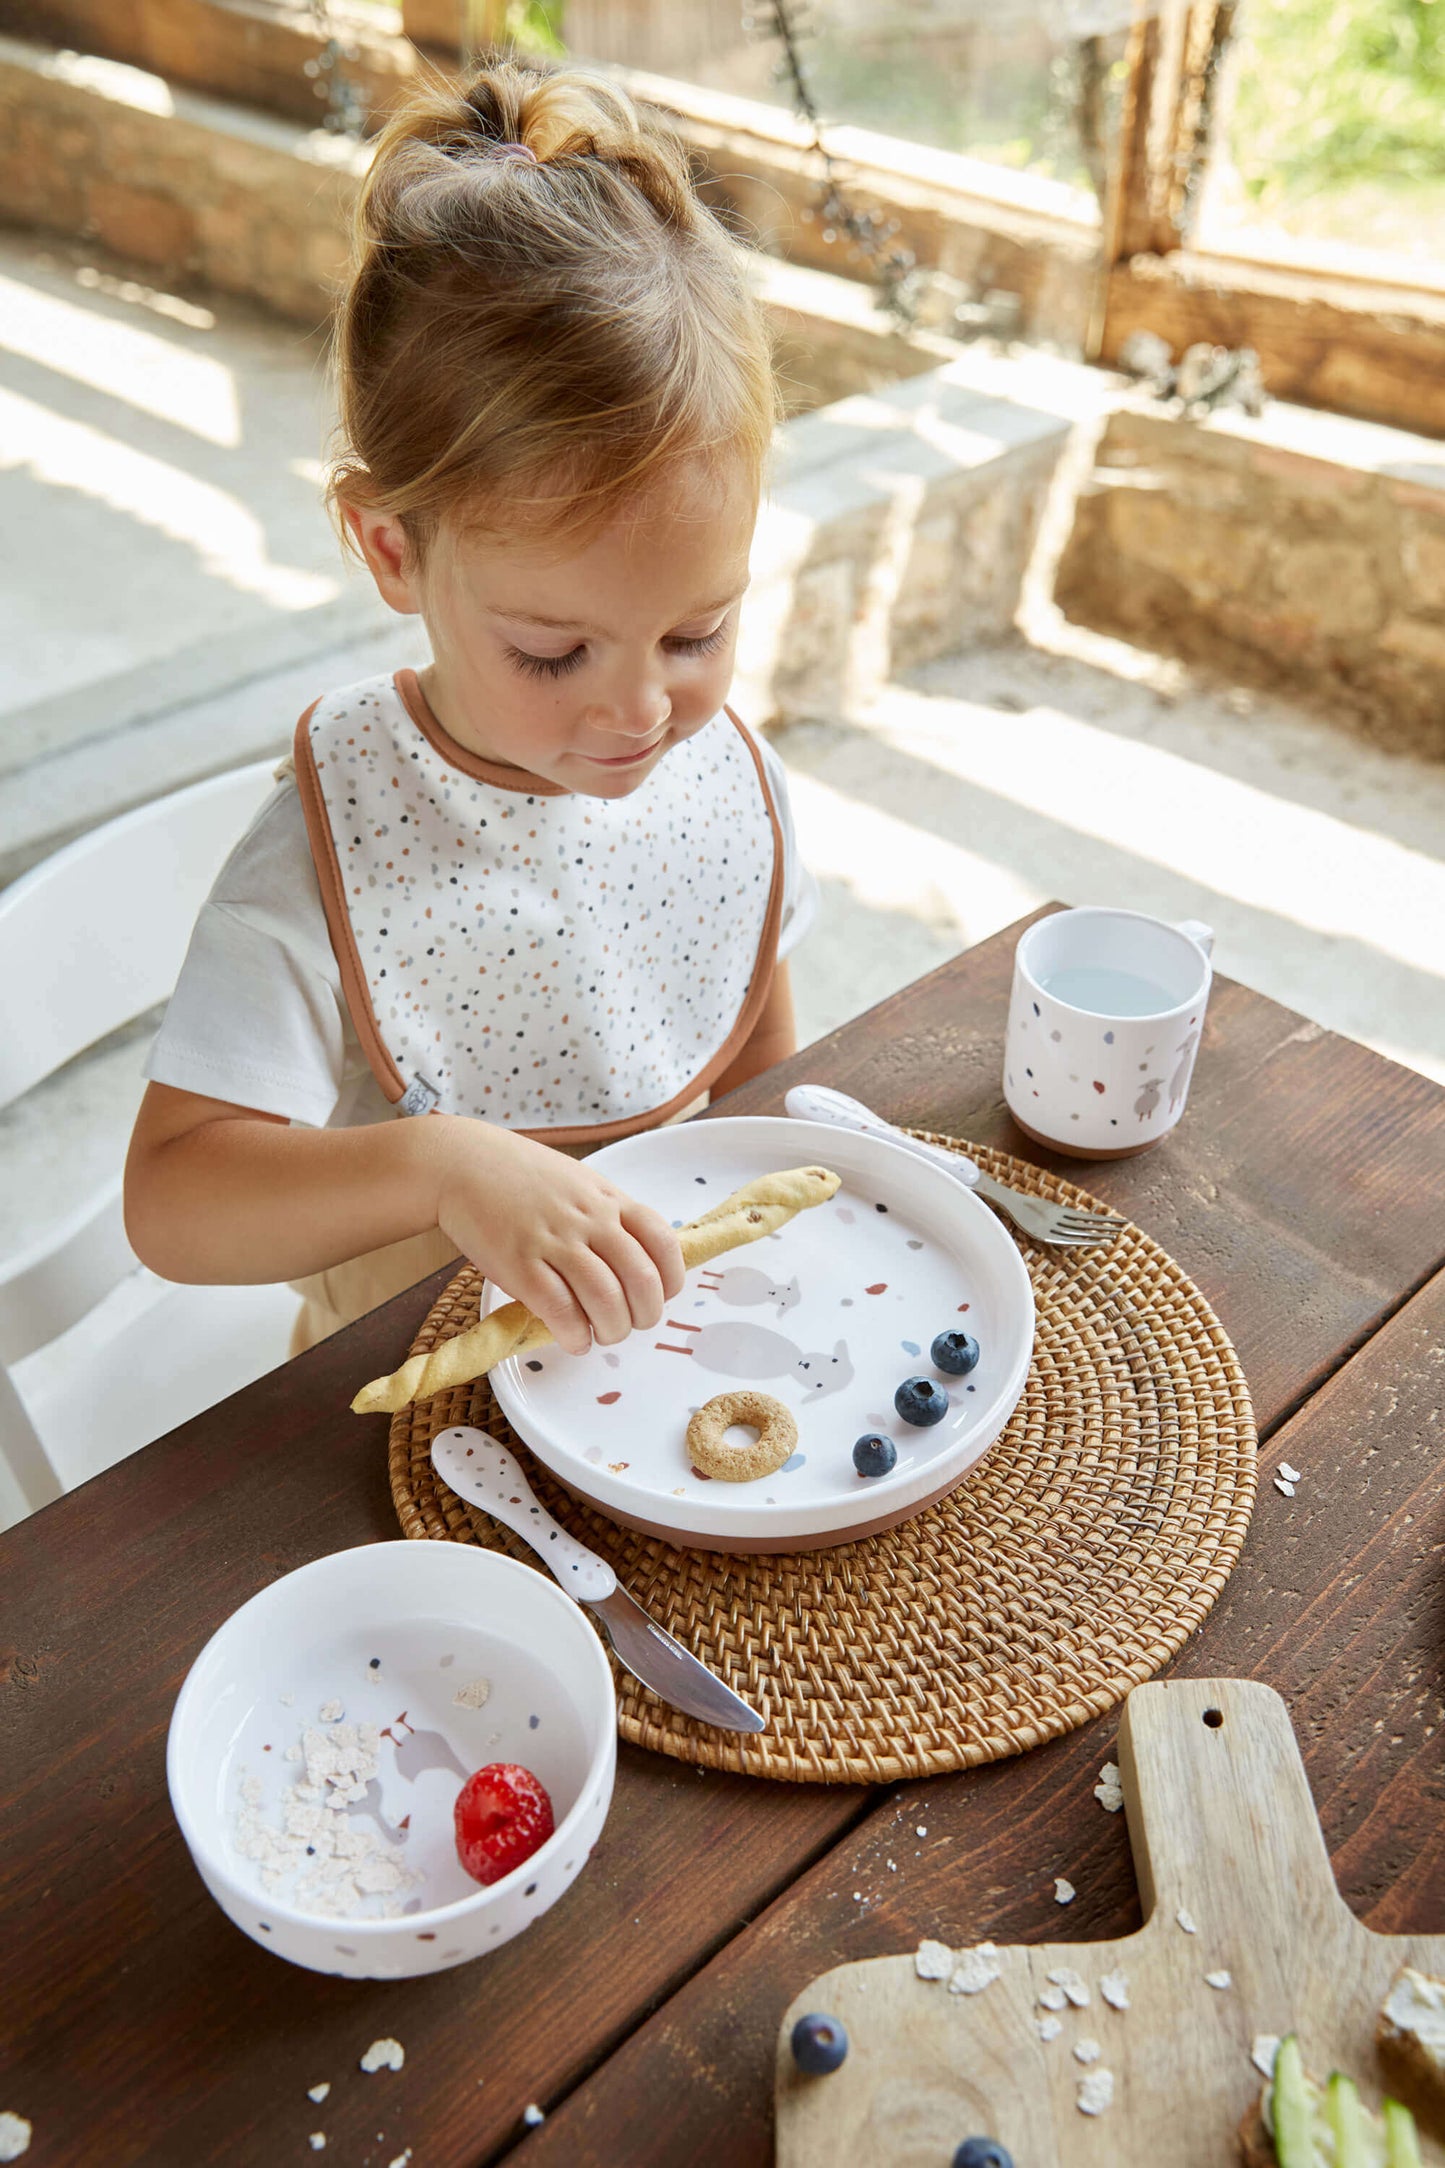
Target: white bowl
column 387, row 1629
column 829, row 1316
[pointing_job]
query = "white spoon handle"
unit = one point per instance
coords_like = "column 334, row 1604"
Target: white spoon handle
column 820, row 1103
column 486, row 1474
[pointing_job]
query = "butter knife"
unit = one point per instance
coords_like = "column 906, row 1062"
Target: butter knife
column 485, row 1472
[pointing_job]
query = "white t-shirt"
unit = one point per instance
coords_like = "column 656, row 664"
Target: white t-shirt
column 258, row 1016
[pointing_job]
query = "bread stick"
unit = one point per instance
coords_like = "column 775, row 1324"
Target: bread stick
column 758, row 1209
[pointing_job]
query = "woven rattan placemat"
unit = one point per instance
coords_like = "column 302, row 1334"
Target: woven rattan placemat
column 1071, row 1564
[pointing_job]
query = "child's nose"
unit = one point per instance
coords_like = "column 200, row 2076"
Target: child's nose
column 641, row 711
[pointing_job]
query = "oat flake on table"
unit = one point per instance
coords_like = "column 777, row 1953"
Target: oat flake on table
column 1071, row 1985
column 1220, row 1980
column 1114, row 1987
column 1263, row 2050
column 1064, row 1891
column 1186, row 1921
column 1049, row 2027
column 1096, row 2092
column 387, row 2054
column 1053, row 1998
column 1087, row 2051
column 15, row 2135
column 1109, row 1790
column 976, row 1970
column 317, row 2093
column 933, row 1960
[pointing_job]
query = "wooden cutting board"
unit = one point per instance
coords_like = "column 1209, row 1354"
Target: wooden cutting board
column 1222, row 1826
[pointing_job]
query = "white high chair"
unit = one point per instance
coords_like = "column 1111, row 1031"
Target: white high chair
column 97, row 1355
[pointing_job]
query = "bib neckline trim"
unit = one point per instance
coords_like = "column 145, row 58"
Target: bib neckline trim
column 419, row 708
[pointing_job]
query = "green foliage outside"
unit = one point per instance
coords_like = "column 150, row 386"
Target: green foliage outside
column 1332, row 91
column 1337, row 127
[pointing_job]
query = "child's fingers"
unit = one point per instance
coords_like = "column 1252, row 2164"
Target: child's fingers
column 548, row 1296
column 636, row 1275
column 661, row 1244
column 601, row 1295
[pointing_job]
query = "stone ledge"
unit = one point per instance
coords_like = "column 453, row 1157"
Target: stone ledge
column 901, row 525
column 1302, row 549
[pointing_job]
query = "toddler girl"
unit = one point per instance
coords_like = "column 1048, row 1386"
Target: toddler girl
column 538, row 891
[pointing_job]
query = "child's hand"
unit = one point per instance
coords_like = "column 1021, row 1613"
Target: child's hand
column 587, row 1259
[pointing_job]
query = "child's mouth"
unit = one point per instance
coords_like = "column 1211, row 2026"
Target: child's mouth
column 625, row 760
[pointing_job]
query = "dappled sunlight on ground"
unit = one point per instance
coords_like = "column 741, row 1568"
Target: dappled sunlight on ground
column 151, row 454
column 993, row 782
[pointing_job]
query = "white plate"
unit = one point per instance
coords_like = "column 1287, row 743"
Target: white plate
column 829, row 1315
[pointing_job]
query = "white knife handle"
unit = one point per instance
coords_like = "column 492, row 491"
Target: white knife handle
column 487, row 1475
column 820, row 1103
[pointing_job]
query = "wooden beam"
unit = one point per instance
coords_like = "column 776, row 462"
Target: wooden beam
column 1354, row 348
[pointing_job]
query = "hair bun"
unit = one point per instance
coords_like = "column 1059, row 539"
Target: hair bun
column 534, row 347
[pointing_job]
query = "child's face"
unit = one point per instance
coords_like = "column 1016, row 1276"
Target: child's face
column 637, row 653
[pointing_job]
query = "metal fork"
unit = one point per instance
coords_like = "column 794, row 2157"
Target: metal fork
column 1064, row 1226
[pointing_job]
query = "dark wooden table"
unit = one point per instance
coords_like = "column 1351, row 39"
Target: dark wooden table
column 1303, row 1192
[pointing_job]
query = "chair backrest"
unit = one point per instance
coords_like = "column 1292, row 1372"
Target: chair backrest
column 89, row 940
column 95, row 935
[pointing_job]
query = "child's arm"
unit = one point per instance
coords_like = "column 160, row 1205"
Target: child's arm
column 216, row 1193
column 773, row 1037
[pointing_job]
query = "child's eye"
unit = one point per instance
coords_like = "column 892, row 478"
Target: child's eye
column 707, row 645
column 546, row 665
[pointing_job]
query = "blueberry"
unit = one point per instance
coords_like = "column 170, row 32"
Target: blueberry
column 920, row 1401
column 955, row 1352
column 873, row 1455
column 819, row 2045
column 982, row 2153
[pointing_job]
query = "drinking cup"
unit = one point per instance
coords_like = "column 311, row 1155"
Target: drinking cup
column 1104, row 1023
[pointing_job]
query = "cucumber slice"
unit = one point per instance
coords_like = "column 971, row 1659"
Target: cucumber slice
column 1291, row 2112
column 1348, row 2123
column 1402, row 2143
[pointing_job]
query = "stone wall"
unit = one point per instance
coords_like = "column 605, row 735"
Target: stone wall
column 210, row 193
column 1303, row 549
column 984, row 226
column 199, row 190
column 900, row 526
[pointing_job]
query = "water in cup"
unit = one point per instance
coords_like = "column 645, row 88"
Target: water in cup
column 1107, row 992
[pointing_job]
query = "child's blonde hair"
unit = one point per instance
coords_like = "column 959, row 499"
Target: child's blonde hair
column 530, row 343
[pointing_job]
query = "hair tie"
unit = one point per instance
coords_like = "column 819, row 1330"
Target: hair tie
column 518, row 151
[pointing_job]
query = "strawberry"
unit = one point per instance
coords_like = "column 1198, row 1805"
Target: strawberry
column 502, row 1815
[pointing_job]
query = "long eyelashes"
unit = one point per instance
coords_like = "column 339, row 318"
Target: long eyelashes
column 553, row 666
column 709, row 645
column 556, row 666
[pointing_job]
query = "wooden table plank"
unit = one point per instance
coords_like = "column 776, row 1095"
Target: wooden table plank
column 148, row 2019
column 1335, row 1602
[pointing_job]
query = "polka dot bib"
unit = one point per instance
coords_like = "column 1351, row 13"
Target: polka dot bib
column 573, row 967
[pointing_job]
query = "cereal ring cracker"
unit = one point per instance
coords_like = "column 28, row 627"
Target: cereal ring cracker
column 777, row 1434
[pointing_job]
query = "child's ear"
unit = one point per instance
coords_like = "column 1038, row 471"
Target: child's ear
column 382, row 542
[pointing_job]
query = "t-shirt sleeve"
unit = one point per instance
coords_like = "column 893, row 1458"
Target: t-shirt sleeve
column 258, row 1016
column 800, row 890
